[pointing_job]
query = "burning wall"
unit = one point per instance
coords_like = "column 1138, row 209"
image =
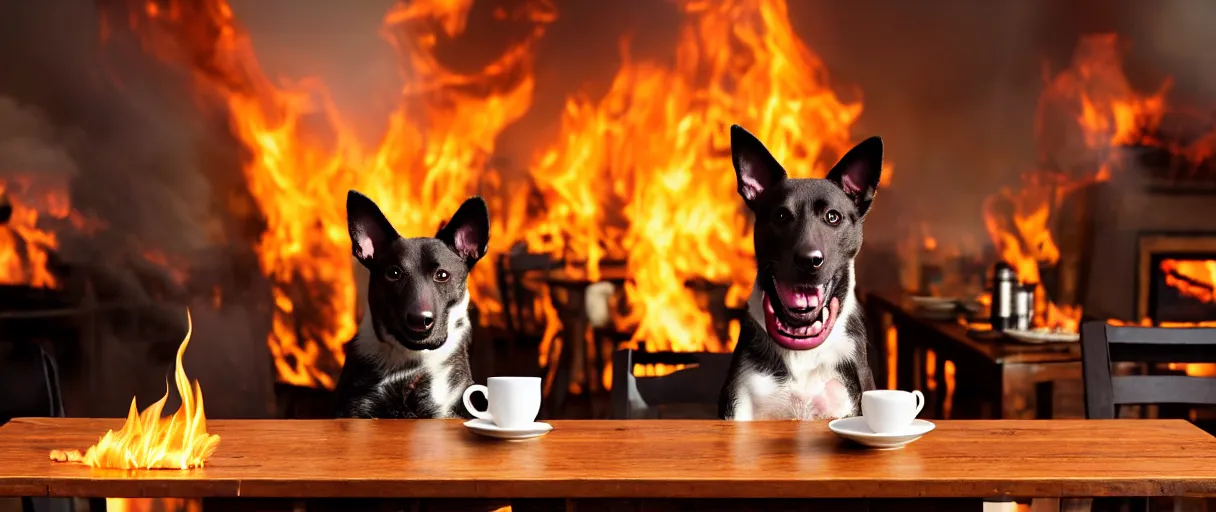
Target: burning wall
column 660, row 214
column 114, row 169
column 632, row 168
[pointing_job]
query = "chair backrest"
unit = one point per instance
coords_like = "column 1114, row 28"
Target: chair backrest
column 699, row 383
column 29, row 382
column 1103, row 344
column 511, row 268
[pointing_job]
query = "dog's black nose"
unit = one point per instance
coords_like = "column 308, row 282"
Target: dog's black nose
column 810, row 259
column 420, row 322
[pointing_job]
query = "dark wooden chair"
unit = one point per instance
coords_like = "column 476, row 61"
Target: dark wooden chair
column 691, row 392
column 511, row 270
column 1103, row 344
column 29, row 383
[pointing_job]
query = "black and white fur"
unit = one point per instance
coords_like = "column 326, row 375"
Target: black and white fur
column 807, row 234
column 410, row 357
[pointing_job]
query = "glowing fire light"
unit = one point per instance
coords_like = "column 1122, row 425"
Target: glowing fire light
column 1095, row 94
column 1194, row 278
column 303, row 155
column 24, row 246
column 153, row 505
column 644, row 174
column 148, row 441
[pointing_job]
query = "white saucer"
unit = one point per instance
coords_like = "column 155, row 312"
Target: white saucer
column 489, row 429
column 855, row 429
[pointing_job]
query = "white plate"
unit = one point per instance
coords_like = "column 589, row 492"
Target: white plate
column 1043, row 337
column 489, row 429
column 855, row 429
column 935, row 303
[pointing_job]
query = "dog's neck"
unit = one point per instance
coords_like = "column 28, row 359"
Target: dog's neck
column 832, row 350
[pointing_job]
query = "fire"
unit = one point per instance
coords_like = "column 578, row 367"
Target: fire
column 644, row 173
column 641, row 175
column 1194, row 278
column 303, row 154
column 24, row 245
column 1104, row 113
column 148, row 441
column 153, row 505
column 658, row 369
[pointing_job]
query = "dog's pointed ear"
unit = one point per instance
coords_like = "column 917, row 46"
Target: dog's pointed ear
column 755, row 168
column 370, row 232
column 468, row 233
column 858, row 173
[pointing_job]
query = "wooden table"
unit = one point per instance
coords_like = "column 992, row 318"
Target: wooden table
column 997, row 377
column 655, row 459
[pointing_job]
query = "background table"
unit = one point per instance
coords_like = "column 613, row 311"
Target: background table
column 998, row 377
column 634, row 459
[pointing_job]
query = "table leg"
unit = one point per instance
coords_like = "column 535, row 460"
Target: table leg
column 571, row 360
column 906, row 367
column 577, row 331
column 876, row 330
column 1076, row 504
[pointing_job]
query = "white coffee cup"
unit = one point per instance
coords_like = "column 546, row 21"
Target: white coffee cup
column 513, row 401
column 890, row 410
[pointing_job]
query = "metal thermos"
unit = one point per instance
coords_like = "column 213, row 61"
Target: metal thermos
column 1023, row 310
column 1004, row 288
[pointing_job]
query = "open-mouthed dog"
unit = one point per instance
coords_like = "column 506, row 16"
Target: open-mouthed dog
column 802, row 346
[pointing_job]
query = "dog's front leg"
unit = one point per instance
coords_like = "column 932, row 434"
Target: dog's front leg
column 743, row 407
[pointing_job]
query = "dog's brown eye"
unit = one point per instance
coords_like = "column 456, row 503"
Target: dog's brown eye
column 442, row 275
column 832, row 217
column 783, row 216
column 393, row 273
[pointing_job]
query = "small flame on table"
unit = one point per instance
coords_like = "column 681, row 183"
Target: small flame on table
column 148, row 441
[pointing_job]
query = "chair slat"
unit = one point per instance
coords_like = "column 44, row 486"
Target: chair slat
column 1164, row 389
column 1161, row 335
column 1102, row 344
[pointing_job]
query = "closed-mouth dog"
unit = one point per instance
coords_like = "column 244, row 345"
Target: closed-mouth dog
column 410, row 357
column 802, row 346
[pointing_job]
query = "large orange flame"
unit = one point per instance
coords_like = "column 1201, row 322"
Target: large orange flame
column 1094, row 99
column 24, row 245
column 303, row 155
column 148, row 441
column 644, row 174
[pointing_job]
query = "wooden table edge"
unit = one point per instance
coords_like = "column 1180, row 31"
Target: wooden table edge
column 603, row 488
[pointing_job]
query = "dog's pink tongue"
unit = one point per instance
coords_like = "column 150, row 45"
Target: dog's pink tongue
column 798, row 297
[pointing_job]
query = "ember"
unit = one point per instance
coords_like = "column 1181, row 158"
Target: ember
column 148, row 441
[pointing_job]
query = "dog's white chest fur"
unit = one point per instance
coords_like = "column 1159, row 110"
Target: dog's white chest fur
column 812, row 390
column 434, row 363
column 809, row 396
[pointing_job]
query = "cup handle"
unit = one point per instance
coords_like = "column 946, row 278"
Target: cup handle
column 468, row 404
column 920, row 401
